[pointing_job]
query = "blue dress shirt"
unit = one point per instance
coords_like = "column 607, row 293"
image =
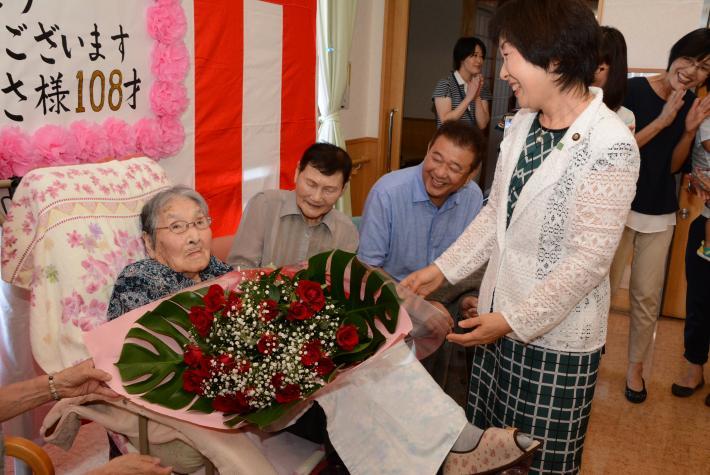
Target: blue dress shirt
column 403, row 231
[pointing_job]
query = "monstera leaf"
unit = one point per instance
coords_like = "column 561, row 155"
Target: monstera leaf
column 377, row 300
column 153, row 366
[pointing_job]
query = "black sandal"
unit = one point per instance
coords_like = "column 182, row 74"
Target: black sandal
column 684, row 391
column 636, row 397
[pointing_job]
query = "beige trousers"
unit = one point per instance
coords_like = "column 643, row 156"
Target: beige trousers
column 649, row 253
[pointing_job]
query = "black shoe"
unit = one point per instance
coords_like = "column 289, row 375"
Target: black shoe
column 636, row 397
column 684, row 391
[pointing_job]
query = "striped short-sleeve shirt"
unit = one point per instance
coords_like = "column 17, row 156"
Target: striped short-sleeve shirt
column 450, row 87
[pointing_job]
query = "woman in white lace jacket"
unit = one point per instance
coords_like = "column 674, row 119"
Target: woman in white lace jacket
column 563, row 184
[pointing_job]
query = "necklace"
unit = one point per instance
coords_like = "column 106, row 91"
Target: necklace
column 540, row 134
column 555, row 134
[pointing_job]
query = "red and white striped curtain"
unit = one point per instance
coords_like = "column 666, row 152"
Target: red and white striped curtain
column 255, row 86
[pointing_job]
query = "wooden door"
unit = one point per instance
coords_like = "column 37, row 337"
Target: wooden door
column 673, row 304
column 394, row 61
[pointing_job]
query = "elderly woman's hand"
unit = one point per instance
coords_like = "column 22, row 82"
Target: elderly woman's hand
column 83, row 379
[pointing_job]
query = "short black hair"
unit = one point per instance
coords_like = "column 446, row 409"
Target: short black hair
column 328, row 159
column 463, row 136
column 465, row 47
column 559, row 34
column 695, row 44
column 612, row 51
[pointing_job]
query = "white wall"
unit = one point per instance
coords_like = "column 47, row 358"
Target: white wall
column 361, row 118
column 434, row 27
column 652, row 26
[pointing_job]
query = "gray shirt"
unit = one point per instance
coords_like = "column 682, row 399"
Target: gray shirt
column 274, row 231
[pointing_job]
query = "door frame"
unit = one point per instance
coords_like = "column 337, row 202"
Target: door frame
column 394, row 62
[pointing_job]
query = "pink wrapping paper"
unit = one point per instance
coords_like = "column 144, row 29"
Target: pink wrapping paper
column 105, row 343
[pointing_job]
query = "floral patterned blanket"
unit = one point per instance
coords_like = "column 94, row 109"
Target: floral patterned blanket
column 69, row 233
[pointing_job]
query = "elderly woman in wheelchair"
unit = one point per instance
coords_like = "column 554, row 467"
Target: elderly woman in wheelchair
column 176, row 232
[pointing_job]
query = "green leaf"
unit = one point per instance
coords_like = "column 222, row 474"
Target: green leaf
column 202, row 404
column 149, row 365
column 262, row 417
column 360, row 306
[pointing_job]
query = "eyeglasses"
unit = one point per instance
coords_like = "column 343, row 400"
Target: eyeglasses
column 179, row 227
column 700, row 66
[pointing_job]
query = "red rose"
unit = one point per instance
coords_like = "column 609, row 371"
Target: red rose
column 202, row 320
column 267, row 343
column 325, row 367
column 288, row 393
column 269, row 310
column 192, row 380
column 243, row 366
column 234, row 302
column 194, row 358
column 311, row 294
column 298, row 311
column 226, row 362
column 237, row 403
column 347, row 337
column 214, row 300
column 277, row 380
column 310, row 353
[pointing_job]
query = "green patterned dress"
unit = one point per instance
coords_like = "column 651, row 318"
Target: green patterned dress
column 538, row 145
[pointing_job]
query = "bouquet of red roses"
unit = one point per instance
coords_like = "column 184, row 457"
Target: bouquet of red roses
column 252, row 352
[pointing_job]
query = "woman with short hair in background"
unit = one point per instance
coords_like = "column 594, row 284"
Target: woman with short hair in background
column 462, row 94
column 668, row 115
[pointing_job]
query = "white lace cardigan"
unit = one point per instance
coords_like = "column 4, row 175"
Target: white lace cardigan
column 548, row 272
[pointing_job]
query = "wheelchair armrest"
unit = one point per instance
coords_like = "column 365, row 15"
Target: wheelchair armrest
column 30, row 453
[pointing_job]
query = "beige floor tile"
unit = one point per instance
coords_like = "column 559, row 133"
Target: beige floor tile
column 663, row 435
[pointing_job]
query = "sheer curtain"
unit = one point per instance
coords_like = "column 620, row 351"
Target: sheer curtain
column 336, row 19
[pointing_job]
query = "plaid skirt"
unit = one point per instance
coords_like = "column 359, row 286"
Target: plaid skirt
column 545, row 393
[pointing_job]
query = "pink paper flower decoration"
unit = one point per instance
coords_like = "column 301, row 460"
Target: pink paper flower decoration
column 147, row 136
column 16, row 155
column 92, row 141
column 120, row 137
column 173, row 135
column 55, row 145
column 159, row 138
column 166, row 22
column 88, row 142
column 170, row 61
column 168, row 98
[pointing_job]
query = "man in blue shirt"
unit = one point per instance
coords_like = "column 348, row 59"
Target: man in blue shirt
column 413, row 215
